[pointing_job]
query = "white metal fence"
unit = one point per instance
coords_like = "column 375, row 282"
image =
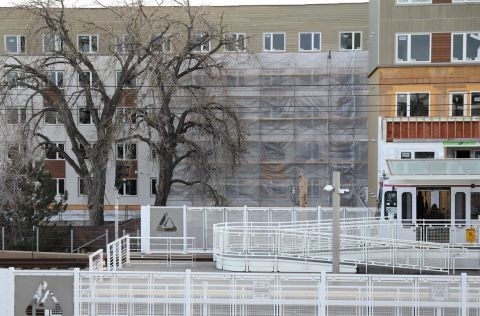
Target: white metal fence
column 232, row 294
column 367, row 241
column 198, row 221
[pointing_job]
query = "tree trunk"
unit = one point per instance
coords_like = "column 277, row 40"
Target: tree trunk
column 165, row 175
column 96, row 194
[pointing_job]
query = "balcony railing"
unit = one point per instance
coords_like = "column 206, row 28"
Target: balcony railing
column 458, row 127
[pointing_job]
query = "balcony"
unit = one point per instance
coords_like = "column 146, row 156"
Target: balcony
column 442, row 128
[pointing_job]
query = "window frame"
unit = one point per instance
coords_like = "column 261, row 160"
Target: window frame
column 312, row 41
column 85, row 109
column 202, row 48
column 464, row 48
column 408, row 109
column 52, row 114
column 57, row 43
column 56, row 78
column 465, row 98
column 409, row 48
column 57, row 186
column 127, row 85
column 58, row 156
column 152, row 186
column 353, row 40
column 20, row 115
column 123, row 190
column 90, row 46
column 162, row 43
column 91, row 83
column 236, row 42
column 20, row 49
column 125, row 146
column 471, row 102
column 270, row 50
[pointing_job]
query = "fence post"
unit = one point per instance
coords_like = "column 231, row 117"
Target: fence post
column 38, row 229
column 464, row 294
column 106, row 238
column 3, row 238
column 188, row 279
column 71, row 240
column 76, row 292
column 322, row 286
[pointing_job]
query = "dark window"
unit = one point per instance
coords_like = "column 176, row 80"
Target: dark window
column 460, row 206
column 476, row 104
column 424, row 155
column 406, row 207
column 457, row 104
column 84, row 116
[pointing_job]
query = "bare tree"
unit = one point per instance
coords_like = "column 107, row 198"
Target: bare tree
column 95, row 98
column 190, row 121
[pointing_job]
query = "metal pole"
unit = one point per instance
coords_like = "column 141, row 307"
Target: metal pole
column 116, row 213
column 37, row 238
column 71, row 240
column 3, row 238
column 336, row 223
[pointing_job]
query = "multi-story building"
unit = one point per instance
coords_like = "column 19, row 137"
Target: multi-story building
column 424, row 100
column 298, row 82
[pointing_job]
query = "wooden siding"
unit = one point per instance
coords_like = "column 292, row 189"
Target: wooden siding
column 435, row 129
column 56, row 168
column 441, row 47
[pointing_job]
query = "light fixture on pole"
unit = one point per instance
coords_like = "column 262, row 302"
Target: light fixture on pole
column 335, row 189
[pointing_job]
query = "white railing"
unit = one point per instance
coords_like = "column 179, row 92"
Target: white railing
column 231, row 294
column 96, row 261
column 366, row 242
column 198, row 221
column 120, row 251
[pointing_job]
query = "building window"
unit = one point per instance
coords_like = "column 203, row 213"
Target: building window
column 14, row 78
column 457, row 104
column 350, row 40
column 128, row 83
column 274, row 42
column 235, row 42
column 235, row 188
column 161, row 42
column 201, row 43
column 16, row 115
column 128, row 187
column 466, row 46
column 407, row 207
column 126, row 115
column 309, row 41
column 88, row 43
column 55, row 78
column 52, row 43
column 51, row 152
column 15, row 44
column 424, row 155
column 413, row 1
column 413, row 104
column 413, row 48
column 235, row 78
column 124, row 44
column 84, row 116
column 59, row 186
column 126, row 151
column 85, row 78
column 51, row 117
column 153, row 186
column 82, row 189
column 406, row 155
column 475, row 105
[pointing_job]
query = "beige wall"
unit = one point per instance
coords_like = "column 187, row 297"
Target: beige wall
column 252, row 20
column 421, row 18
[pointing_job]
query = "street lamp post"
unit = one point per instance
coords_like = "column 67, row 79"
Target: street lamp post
column 336, row 191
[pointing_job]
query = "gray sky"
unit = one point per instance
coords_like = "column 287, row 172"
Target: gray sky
column 88, row 3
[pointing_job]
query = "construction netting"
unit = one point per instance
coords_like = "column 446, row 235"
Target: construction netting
column 306, row 114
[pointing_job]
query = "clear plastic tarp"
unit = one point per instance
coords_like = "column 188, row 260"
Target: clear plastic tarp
column 306, row 113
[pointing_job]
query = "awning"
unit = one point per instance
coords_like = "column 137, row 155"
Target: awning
column 451, row 143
